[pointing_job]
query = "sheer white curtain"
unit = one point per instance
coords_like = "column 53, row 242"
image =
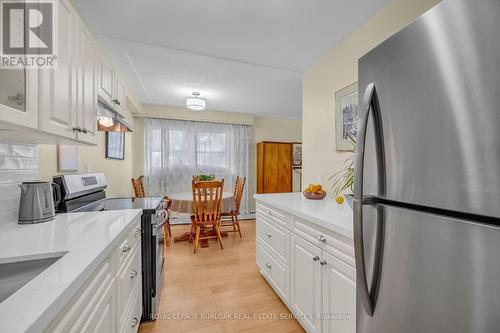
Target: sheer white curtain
column 175, row 150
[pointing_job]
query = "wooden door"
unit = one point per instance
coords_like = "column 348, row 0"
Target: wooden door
column 58, row 114
column 339, row 295
column 306, row 298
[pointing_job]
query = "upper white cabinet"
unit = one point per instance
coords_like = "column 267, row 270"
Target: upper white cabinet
column 18, row 97
column 87, row 92
column 120, row 99
column 111, row 89
column 58, row 87
column 60, row 105
column 106, row 81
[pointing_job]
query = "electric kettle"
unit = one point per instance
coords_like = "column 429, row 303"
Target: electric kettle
column 38, row 201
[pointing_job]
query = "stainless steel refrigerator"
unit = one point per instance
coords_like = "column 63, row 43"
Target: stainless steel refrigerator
column 427, row 191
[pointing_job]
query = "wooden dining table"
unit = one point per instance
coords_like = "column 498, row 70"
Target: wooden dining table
column 182, row 202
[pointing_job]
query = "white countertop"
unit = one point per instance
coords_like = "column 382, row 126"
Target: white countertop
column 85, row 239
column 326, row 213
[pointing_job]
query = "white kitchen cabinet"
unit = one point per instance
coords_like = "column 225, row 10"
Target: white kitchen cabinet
column 19, row 98
column 111, row 89
column 87, row 92
column 315, row 265
column 106, row 82
column 58, row 87
column 112, row 297
column 306, row 291
column 339, row 295
column 102, row 319
column 120, row 100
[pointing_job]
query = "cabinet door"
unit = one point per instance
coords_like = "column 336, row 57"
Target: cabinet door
column 106, row 82
column 58, row 86
column 102, row 319
column 306, row 295
column 339, row 295
column 87, row 92
column 120, row 99
column 19, row 97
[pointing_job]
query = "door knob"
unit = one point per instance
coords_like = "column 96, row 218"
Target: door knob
column 268, row 265
column 315, row 258
column 323, row 262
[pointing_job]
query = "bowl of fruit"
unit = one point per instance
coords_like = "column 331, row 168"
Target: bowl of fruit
column 314, row 192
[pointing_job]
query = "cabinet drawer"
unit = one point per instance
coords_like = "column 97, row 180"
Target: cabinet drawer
column 338, row 245
column 131, row 241
column 128, row 277
column 276, row 273
column 274, row 214
column 134, row 236
column 275, row 236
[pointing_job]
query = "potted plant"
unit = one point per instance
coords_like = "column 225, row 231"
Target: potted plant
column 344, row 179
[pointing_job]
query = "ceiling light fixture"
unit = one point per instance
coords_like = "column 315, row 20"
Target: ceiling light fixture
column 196, row 103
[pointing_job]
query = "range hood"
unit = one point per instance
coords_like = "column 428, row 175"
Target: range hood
column 109, row 120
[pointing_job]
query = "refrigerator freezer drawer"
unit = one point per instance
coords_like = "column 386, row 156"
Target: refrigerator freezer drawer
column 438, row 274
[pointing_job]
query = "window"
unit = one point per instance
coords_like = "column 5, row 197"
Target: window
column 211, row 151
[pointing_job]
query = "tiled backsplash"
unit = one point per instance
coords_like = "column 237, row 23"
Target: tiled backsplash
column 18, row 163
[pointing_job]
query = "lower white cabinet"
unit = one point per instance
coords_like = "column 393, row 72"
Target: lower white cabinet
column 306, row 291
column 315, row 280
column 339, row 295
column 111, row 299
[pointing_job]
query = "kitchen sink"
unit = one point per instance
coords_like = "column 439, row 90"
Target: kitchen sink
column 14, row 275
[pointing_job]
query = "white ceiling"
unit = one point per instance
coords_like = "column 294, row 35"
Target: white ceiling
column 243, row 56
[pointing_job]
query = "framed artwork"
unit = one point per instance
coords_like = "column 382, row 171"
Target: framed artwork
column 115, row 145
column 346, row 117
column 67, row 158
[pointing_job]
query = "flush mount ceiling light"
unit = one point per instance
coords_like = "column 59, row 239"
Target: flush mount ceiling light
column 196, row 103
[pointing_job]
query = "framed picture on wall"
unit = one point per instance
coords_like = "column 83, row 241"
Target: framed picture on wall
column 346, row 117
column 115, row 145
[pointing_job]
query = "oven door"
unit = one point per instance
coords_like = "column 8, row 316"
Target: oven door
column 158, row 259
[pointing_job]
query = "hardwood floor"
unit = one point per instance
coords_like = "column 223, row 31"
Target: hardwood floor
column 223, row 286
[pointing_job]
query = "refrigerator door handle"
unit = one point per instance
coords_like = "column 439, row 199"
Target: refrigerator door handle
column 370, row 101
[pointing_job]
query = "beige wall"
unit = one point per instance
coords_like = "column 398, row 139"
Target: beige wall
column 263, row 129
column 336, row 70
column 91, row 158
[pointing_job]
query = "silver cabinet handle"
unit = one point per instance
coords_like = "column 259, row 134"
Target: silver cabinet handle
column 77, row 129
column 315, row 258
column 126, row 248
column 135, row 321
column 84, row 131
column 268, row 265
column 268, row 235
column 321, row 238
column 133, row 274
column 323, row 262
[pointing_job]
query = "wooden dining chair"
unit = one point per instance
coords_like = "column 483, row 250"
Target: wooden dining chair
column 138, row 185
column 239, row 185
column 207, row 198
column 139, row 192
